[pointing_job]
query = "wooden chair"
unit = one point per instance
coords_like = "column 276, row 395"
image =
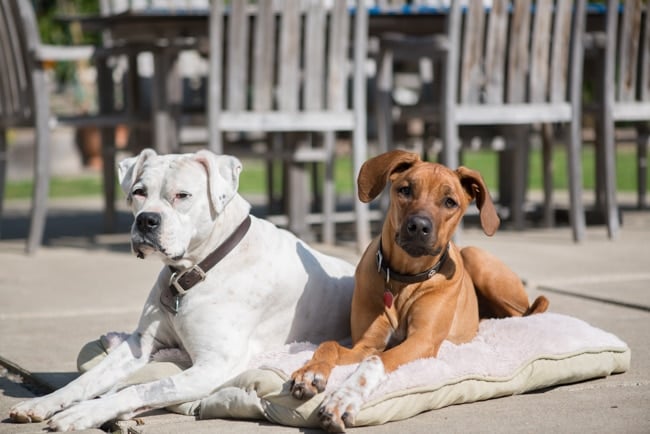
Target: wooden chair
column 25, row 102
column 287, row 70
column 622, row 54
column 517, row 64
column 500, row 70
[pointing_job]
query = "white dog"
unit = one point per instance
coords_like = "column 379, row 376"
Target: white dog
column 266, row 289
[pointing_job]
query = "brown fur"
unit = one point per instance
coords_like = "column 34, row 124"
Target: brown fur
column 424, row 314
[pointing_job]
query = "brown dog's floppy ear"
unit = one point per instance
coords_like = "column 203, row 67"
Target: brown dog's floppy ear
column 374, row 173
column 473, row 183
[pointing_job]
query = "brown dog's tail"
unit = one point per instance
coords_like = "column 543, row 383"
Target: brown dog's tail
column 539, row 305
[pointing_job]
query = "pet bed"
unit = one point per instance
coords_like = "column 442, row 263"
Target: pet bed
column 508, row 356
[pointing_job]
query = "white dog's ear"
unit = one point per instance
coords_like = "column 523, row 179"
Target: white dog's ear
column 223, row 177
column 129, row 169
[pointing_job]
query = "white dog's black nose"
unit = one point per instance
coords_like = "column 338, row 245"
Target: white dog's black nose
column 147, row 222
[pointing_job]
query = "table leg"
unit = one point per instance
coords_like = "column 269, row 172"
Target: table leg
column 165, row 94
column 106, row 105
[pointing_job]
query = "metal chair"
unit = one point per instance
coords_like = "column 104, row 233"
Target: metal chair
column 287, row 70
column 25, row 102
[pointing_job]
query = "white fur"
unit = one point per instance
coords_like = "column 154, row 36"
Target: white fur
column 346, row 401
column 270, row 290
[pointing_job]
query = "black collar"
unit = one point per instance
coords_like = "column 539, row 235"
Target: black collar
column 182, row 281
column 389, row 274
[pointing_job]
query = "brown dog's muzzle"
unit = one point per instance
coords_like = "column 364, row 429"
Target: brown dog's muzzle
column 417, row 236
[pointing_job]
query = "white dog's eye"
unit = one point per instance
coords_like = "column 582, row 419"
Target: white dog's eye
column 139, row 192
column 183, row 195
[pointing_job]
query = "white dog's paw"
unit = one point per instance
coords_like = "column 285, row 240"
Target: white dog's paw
column 340, row 408
column 86, row 414
column 35, row 409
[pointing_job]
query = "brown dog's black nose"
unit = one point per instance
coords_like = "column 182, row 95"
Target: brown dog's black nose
column 147, row 222
column 419, row 226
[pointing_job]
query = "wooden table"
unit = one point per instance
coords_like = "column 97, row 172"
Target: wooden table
column 164, row 33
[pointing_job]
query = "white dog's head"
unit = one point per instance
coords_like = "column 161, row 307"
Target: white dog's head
column 176, row 199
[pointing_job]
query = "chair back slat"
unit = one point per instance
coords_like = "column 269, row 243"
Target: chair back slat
column 7, row 66
column 315, row 31
column 282, row 55
column 519, row 51
column 644, row 78
column 628, row 52
column 471, row 72
column 264, row 56
column 237, row 56
column 560, row 50
column 289, row 61
column 516, row 51
column 540, row 51
column 17, row 20
column 338, row 70
column 495, row 51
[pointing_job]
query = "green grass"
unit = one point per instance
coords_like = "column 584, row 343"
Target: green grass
column 83, row 185
column 253, row 179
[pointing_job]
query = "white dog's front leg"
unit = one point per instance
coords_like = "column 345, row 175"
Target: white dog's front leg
column 340, row 407
column 194, row 383
column 125, row 359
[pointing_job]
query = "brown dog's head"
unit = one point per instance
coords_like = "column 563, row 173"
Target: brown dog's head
column 427, row 199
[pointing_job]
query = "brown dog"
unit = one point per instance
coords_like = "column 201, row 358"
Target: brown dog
column 413, row 287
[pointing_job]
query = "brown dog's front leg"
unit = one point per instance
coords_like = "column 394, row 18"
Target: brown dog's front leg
column 312, row 378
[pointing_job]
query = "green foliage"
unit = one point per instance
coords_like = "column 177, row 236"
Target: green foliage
column 57, row 31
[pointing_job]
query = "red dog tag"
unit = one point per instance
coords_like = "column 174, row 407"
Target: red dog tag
column 388, row 299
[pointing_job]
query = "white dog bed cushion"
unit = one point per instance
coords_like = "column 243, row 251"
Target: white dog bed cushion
column 508, row 356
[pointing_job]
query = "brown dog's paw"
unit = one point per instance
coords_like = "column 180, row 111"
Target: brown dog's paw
column 309, row 380
column 540, row 305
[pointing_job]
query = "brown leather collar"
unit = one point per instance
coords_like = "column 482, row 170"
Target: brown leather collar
column 389, row 274
column 182, row 281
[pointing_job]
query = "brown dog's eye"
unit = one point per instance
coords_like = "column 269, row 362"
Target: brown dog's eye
column 450, row 203
column 404, row 191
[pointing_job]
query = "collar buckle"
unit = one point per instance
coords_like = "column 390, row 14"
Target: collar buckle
column 176, row 276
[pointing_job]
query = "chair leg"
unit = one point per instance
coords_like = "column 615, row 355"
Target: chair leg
column 606, row 170
column 3, row 170
column 611, row 206
column 108, row 169
column 106, row 100
column 329, row 190
column 298, row 192
column 383, row 109
column 576, row 206
column 41, row 162
column 643, row 141
column 519, row 171
column 273, row 158
column 547, row 169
